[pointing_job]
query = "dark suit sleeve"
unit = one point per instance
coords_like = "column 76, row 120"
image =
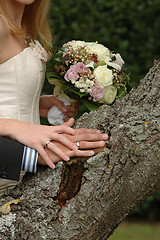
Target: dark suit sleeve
column 11, row 153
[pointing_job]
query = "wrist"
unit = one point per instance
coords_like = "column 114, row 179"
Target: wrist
column 15, row 127
column 7, row 127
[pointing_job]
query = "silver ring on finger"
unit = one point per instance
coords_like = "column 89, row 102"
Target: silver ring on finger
column 78, row 144
column 46, row 144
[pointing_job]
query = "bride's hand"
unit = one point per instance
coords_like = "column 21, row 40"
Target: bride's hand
column 72, row 110
column 47, row 101
column 36, row 136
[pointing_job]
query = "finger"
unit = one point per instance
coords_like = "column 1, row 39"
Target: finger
column 61, row 106
column 65, row 141
column 71, row 108
column 55, row 101
column 86, row 130
column 45, row 157
column 58, row 151
column 80, row 153
column 90, row 137
column 90, row 145
column 69, row 114
column 69, row 123
column 64, row 129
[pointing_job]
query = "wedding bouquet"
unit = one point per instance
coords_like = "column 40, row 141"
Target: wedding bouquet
column 89, row 72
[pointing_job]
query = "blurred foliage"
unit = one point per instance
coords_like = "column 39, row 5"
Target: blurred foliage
column 149, row 209
column 128, row 27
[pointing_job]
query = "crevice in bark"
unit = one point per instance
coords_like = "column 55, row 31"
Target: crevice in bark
column 72, row 179
column 71, row 182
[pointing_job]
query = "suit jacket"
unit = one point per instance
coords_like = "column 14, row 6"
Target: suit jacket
column 11, row 153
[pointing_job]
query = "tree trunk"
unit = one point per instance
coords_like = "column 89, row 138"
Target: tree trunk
column 87, row 198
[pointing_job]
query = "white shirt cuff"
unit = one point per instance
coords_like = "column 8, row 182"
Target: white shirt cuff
column 29, row 160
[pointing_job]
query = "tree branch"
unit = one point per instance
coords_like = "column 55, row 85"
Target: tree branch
column 88, row 198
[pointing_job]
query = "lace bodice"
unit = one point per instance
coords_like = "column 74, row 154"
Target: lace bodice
column 21, row 81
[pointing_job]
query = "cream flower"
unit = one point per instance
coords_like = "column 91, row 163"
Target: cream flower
column 103, row 76
column 39, row 51
column 110, row 93
column 103, row 53
column 75, row 44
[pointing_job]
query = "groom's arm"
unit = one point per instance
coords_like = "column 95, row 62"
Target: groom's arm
column 15, row 157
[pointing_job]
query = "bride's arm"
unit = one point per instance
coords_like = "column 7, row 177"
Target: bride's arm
column 36, row 136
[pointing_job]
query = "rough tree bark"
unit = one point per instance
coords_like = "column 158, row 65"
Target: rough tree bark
column 88, row 198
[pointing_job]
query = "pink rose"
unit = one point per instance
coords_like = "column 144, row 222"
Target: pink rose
column 71, row 75
column 97, row 92
column 79, row 67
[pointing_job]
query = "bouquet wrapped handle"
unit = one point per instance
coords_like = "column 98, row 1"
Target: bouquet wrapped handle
column 55, row 115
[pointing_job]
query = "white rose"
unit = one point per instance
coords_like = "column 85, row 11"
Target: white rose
column 103, row 76
column 103, row 53
column 110, row 93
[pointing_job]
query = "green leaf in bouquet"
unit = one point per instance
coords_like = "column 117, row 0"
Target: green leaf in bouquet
column 72, row 95
column 58, row 59
column 121, row 91
column 50, row 65
column 113, row 58
column 91, row 106
column 52, row 74
column 68, row 89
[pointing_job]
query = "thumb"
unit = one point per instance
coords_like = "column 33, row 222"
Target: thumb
column 69, row 123
column 55, row 101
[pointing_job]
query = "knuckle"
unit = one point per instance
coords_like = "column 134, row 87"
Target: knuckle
column 63, row 127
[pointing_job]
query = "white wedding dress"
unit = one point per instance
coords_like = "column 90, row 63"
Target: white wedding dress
column 21, row 81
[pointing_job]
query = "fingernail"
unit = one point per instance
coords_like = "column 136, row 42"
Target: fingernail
column 91, row 153
column 53, row 166
column 101, row 143
column 105, row 136
column 98, row 131
column 75, row 147
column 64, row 109
column 66, row 158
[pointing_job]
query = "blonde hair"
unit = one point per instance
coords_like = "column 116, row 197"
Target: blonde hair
column 34, row 22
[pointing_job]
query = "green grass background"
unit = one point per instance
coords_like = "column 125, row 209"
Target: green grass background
column 137, row 231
